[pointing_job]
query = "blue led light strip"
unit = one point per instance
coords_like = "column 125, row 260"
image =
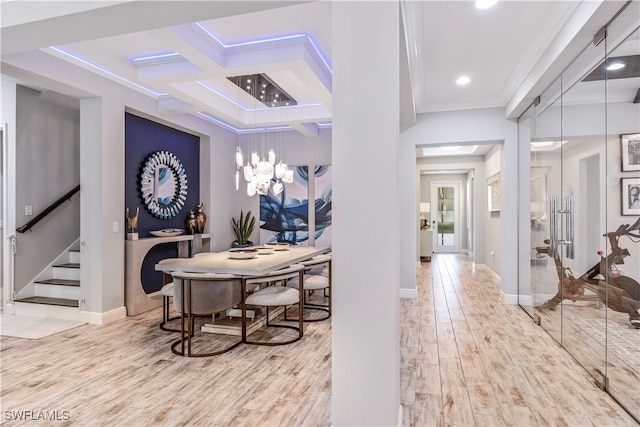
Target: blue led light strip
column 104, row 70
column 244, row 130
column 273, row 39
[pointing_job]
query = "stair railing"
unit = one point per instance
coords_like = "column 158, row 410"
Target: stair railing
column 48, row 210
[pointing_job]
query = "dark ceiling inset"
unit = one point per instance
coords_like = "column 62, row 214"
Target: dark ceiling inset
column 631, row 69
column 264, row 90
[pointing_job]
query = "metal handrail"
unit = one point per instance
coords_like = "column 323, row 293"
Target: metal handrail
column 48, row 210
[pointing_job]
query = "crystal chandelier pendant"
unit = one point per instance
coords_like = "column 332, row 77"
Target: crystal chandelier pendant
column 248, row 172
column 237, row 180
column 277, row 188
column 251, row 187
column 239, row 160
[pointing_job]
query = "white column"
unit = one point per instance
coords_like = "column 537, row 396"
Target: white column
column 101, row 210
column 365, row 353
column 8, row 118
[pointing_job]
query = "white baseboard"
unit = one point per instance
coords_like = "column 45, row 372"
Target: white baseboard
column 477, row 266
column 509, row 299
column 103, row 318
column 408, row 293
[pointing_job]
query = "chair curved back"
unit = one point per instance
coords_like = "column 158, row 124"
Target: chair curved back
column 210, row 292
column 317, row 260
column 277, row 275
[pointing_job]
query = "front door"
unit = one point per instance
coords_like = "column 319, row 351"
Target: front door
column 447, row 216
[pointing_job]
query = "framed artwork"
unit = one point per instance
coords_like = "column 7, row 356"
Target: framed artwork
column 630, row 152
column 630, row 196
column 493, row 192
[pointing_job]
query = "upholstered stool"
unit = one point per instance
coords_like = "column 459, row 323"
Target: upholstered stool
column 275, row 294
column 317, row 277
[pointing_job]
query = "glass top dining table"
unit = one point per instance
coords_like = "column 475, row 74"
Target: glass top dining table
column 220, row 262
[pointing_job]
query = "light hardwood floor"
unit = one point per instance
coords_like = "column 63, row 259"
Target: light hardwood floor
column 469, row 360
column 466, row 360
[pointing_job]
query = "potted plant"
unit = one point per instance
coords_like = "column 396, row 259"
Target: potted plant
column 242, row 228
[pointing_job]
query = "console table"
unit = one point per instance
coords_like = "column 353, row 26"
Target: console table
column 136, row 299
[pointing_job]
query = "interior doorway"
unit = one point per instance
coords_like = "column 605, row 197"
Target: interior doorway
column 446, row 216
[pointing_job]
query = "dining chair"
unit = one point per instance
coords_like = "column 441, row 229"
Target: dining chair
column 274, row 294
column 203, row 294
column 317, row 276
column 167, row 294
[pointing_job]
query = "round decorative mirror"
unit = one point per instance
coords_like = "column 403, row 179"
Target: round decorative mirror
column 163, row 184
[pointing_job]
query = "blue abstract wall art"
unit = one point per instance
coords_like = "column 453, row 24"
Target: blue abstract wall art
column 285, row 217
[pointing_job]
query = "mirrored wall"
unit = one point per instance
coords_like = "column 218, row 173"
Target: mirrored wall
column 580, row 227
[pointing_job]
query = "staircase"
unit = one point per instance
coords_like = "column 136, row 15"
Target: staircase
column 57, row 293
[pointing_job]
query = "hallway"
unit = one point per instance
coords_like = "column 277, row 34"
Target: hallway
column 469, row 360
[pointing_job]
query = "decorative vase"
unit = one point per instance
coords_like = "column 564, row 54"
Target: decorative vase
column 235, row 244
column 192, row 223
column 201, row 219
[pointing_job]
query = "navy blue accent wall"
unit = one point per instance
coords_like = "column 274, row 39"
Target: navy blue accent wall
column 143, row 137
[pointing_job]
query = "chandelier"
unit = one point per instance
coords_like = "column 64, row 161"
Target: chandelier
column 261, row 172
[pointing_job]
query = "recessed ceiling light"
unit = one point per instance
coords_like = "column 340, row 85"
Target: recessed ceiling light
column 485, row 4
column 451, row 148
column 615, row 66
column 463, row 80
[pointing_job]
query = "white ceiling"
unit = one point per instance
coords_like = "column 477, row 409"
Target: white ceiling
column 494, row 47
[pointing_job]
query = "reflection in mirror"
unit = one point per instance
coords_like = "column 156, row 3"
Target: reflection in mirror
column 164, row 186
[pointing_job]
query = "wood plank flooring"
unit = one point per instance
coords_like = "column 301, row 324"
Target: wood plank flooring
column 466, row 360
column 469, row 360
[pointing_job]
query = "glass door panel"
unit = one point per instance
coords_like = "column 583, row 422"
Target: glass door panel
column 447, row 228
column 545, row 186
column 581, row 209
column 623, row 290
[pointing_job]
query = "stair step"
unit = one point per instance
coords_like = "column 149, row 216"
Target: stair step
column 62, row 282
column 74, row 256
column 69, row 265
column 50, row 301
